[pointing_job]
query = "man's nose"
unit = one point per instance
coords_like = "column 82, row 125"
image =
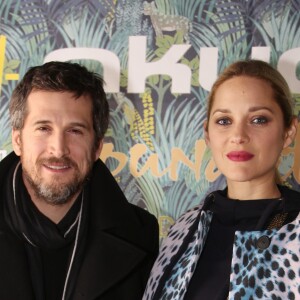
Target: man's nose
column 58, row 145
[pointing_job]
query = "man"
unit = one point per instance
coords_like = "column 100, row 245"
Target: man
column 66, row 229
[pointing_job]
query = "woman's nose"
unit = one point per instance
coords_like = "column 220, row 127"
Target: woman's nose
column 240, row 134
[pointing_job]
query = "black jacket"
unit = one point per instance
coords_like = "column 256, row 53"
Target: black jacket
column 122, row 245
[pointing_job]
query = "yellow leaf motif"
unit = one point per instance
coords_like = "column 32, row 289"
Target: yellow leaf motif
column 142, row 127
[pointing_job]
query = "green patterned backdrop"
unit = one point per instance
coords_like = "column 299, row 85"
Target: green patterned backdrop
column 159, row 59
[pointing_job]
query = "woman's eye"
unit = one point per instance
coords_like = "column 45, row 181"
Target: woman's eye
column 223, row 121
column 260, row 121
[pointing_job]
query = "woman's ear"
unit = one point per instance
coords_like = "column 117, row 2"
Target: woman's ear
column 290, row 133
column 16, row 141
column 206, row 134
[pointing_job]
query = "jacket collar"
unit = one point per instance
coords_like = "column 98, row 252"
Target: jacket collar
column 291, row 198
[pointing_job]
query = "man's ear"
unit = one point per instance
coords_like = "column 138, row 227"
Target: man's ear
column 206, row 134
column 98, row 150
column 16, row 141
column 290, row 133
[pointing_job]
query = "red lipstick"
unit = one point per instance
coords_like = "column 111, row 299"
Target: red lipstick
column 239, row 156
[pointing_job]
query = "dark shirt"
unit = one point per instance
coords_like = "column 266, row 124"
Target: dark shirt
column 55, row 260
column 55, row 263
column 211, row 277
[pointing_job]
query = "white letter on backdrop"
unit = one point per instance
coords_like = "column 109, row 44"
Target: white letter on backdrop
column 261, row 53
column 109, row 61
column 208, row 67
column 139, row 69
column 287, row 65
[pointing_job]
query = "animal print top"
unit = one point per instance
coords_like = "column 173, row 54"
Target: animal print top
column 265, row 264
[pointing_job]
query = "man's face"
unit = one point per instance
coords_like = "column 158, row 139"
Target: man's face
column 56, row 145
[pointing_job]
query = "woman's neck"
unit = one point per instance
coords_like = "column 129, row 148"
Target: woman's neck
column 253, row 191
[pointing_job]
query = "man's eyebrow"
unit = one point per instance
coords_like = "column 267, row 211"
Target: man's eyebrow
column 47, row 122
column 41, row 122
column 78, row 124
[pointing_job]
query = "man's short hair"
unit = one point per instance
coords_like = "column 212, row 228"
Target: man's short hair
column 62, row 77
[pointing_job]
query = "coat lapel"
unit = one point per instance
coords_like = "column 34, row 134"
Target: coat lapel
column 108, row 260
column 116, row 244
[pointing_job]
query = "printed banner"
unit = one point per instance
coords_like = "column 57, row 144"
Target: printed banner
column 159, row 60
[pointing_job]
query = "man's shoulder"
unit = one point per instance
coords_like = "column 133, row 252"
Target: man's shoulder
column 140, row 227
column 7, row 162
column 143, row 214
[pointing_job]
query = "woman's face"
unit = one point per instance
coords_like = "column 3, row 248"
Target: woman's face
column 245, row 132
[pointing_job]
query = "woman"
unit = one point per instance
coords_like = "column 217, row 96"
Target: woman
column 242, row 242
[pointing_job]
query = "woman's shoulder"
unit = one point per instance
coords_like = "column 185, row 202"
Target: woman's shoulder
column 188, row 218
column 291, row 197
column 183, row 223
column 191, row 214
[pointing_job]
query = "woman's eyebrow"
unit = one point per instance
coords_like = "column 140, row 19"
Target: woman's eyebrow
column 256, row 108
column 251, row 109
column 221, row 110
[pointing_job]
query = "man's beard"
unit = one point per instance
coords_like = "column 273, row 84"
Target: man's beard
column 55, row 192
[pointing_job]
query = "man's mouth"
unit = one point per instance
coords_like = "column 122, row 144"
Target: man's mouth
column 57, row 167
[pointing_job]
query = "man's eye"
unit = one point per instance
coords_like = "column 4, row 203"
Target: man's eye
column 43, row 128
column 223, row 121
column 260, row 121
column 75, row 131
